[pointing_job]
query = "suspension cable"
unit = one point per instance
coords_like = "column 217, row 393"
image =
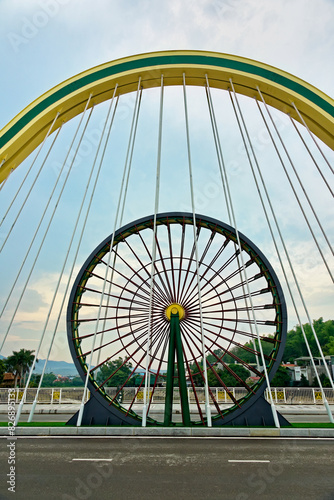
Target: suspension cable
column 129, row 162
column 34, row 236
column 311, row 155
column 25, row 177
column 206, row 383
column 131, row 149
column 284, row 168
column 221, row 160
column 126, row 166
column 312, row 136
column 80, row 237
column 276, row 247
column 154, row 250
column 52, row 215
column 303, row 189
column 284, row 271
column 55, row 293
column 273, row 407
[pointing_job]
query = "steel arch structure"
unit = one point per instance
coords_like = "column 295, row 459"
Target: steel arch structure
column 27, row 130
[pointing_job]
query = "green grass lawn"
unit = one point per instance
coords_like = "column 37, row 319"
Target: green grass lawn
column 322, row 425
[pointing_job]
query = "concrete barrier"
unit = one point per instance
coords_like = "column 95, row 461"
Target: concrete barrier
column 170, row 432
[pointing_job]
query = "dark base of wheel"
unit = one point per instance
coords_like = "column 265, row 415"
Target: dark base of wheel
column 258, row 414
column 96, row 413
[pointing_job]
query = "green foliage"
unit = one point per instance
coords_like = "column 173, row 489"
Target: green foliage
column 325, row 382
column 295, row 345
column 303, row 381
column 75, row 382
column 139, row 379
column 229, row 379
column 225, row 376
column 197, row 377
column 2, row 369
column 243, row 353
column 19, row 364
column 48, row 379
column 119, row 369
column 281, row 378
column 34, row 381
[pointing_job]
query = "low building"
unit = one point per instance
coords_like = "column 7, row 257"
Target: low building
column 295, row 371
column 304, row 363
column 8, row 380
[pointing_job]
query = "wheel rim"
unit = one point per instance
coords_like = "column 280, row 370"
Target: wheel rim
column 122, row 330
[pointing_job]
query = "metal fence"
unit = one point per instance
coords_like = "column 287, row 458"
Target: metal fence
column 72, row 395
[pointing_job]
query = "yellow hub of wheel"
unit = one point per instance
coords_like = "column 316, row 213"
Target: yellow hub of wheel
column 173, row 309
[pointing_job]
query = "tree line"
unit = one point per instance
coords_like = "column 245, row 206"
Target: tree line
column 118, row 371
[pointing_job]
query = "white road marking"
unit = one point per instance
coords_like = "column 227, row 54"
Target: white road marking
column 91, row 459
column 227, row 438
column 250, row 461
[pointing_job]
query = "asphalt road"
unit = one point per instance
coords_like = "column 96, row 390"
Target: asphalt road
column 169, row 468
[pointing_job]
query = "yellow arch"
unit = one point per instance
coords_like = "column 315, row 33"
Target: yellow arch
column 27, row 130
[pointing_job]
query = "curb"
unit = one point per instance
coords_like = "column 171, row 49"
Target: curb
column 168, row 432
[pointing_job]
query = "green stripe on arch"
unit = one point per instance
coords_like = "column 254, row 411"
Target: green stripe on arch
column 150, row 62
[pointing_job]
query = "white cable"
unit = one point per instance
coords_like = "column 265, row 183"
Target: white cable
column 311, row 155
column 77, row 248
column 290, row 264
column 128, row 162
column 29, row 170
column 220, row 159
column 18, row 414
column 295, row 193
column 154, row 250
column 81, row 409
column 304, row 304
column 206, row 383
column 312, row 137
column 49, row 224
column 273, row 407
column 35, row 234
column 130, row 153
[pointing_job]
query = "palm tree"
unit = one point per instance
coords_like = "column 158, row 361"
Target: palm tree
column 2, row 369
column 19, row 363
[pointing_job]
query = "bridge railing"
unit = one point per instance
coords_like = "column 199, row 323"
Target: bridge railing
column 73, row 395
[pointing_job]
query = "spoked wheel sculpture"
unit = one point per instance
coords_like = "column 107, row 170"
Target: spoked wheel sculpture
column 180, row 314
column 197, row 307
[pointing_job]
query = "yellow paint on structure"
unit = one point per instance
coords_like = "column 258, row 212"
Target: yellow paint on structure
column 174, row 309
column 27, row 130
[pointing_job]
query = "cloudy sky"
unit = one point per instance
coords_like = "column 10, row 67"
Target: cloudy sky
column 43, row 42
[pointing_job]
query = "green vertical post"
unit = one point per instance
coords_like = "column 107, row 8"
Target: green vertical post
column 175, row 344
column 170, row 379
column 175, row 325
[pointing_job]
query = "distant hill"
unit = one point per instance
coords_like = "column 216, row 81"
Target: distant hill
column 57, row 367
